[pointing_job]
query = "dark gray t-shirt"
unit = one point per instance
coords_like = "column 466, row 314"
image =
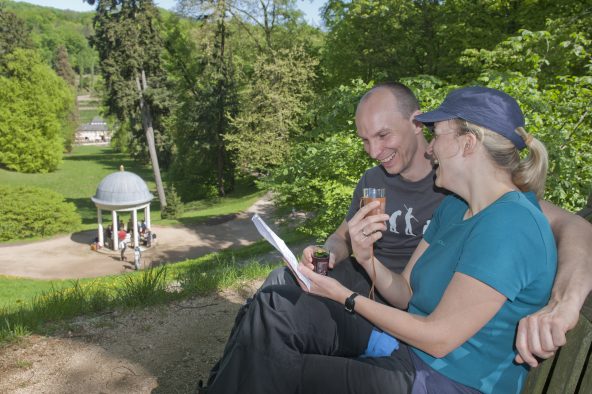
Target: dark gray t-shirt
column 410, row 206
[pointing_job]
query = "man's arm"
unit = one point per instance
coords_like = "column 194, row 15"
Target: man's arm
column 542, row 333
column 339, row 244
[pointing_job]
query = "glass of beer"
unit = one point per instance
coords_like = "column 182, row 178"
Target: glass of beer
column 320, row 260
column 374, row 194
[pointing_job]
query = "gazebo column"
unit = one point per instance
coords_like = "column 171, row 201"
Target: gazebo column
column 100, row 220
column 135, row 223
column 147, row 215
column 115, row 230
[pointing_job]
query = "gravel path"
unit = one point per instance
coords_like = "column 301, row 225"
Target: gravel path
column 69, row 257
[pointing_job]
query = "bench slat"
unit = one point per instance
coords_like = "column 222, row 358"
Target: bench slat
column 572, row 359
column 586, row 386
column 537, row 378
column 562, row 373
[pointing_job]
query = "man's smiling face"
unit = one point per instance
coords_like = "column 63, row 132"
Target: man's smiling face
column 388, row 136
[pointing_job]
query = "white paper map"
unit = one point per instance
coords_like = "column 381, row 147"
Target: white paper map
column 281, row 247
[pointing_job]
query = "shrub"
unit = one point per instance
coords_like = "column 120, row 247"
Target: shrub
column 27, row 212
column 174, row 207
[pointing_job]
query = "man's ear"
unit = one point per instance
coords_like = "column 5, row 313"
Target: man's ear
column 418, row 125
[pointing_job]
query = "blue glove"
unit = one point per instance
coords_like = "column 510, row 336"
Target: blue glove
column 380, row 344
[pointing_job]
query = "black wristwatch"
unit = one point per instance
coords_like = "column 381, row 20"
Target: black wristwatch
column 350, row 302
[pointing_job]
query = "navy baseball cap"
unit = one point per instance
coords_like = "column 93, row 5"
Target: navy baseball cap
column 486, row 107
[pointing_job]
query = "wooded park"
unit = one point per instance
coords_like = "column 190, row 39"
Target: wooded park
column 234, row 89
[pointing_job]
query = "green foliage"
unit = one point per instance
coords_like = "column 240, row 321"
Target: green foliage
column 322, row 173
column 27, row 212
column 174, row 207
column 62, row 66
column 13, row 33
column 550, row 73
column 274, row 111
column 335, row 110
column 543, row 55
column 371, row 40
column 207, row 98
column 391, row 39
column 51, row 28
column 34, row 109
column 127, row 38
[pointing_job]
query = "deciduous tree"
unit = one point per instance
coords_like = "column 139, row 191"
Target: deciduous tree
column 34, row 107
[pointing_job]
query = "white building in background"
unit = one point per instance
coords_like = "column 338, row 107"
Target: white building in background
column 95, row 132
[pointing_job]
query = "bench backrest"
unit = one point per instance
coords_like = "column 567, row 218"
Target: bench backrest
column 570, row 370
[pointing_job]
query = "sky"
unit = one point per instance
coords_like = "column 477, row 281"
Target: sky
column 310, row 8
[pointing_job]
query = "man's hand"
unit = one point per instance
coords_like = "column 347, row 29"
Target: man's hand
column 542, row 333
column 307, row 257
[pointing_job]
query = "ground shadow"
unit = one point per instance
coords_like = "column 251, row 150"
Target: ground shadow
column 85, row 237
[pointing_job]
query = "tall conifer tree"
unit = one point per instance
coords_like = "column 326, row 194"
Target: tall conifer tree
column 127, row 39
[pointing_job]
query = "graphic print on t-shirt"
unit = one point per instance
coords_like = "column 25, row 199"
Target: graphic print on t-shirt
column 406, row 220
column 409, row 205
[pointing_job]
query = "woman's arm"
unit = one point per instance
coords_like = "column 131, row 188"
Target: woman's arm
column 466, row 306
column 392, row 286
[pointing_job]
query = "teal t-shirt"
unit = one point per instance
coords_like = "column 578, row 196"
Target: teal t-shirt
column 508, row 246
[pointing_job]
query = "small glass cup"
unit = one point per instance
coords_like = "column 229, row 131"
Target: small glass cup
column 320, row 259
column 374, row 194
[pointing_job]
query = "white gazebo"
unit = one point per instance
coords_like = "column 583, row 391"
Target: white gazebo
column 122, row 191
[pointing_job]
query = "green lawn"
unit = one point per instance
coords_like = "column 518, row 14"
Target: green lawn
column 78, row 176
column 81, row 171
column 16, row 291
column 86, row 115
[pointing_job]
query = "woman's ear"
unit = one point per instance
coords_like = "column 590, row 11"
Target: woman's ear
column 470, row 143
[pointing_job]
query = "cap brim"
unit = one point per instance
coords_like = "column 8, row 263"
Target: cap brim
column 434, row 116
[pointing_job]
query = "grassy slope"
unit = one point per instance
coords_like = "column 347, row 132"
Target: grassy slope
column 78, row 177
column 81, row 171
column 16, row 291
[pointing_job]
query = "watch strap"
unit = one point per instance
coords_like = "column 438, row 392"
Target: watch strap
column 350, row 302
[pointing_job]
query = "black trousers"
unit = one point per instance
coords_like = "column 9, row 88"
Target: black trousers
column 289, row 341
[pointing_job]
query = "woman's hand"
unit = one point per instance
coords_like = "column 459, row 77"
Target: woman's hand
column 364, row 230
column 323, row 286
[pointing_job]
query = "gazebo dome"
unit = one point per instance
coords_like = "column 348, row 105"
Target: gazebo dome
column 121, row 190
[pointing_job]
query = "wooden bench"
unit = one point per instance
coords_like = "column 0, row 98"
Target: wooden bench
column 570, row 370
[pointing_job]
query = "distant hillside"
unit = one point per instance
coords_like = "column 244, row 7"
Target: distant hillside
column 51, row 28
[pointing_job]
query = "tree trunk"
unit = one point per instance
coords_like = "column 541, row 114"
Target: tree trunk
column 221, row 100
column 149, row 130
